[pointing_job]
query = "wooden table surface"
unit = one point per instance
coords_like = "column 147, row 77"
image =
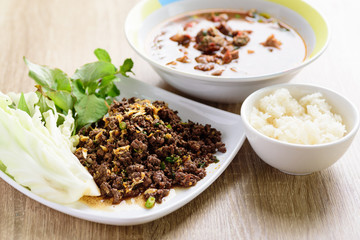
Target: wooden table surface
column 250, row 200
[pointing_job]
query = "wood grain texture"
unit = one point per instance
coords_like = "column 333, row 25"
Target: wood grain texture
column 250, row 200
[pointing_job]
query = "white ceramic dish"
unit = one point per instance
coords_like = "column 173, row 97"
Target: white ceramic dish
column 300, row 159
column 130, row 214
column 299, row 14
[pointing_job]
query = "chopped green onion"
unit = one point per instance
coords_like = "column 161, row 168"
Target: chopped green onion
column 216, row 160
column 156, row 124
column 202, row 164
column 169, row 159
column 150, row 202
column 169, row 126
column 122, row 125
column 162, row 166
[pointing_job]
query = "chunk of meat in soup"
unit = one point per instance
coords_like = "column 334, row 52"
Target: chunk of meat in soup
column 271, row 41
column 209, row 40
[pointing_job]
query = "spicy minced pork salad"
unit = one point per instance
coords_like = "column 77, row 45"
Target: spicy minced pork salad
column 143, row 147
column 72, row 138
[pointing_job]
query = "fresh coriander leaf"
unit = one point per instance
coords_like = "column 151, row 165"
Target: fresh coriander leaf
column 126, row 67
column 47, row 77
column 78, row 89
column 90, row 109
column 102, row 55
column 93, row 71
column 62, row 99
column 22, row 104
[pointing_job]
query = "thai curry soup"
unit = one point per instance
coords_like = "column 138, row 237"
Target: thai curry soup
column 226, row 43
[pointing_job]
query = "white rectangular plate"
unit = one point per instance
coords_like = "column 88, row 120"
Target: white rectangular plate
column 126, row 213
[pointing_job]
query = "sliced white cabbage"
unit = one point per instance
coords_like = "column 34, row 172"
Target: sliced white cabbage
column 40, row 156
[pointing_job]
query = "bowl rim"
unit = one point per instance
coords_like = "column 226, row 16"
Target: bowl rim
column 228, row 79
column 255, row 96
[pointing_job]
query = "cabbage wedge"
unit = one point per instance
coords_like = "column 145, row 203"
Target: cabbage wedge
column 38, row 154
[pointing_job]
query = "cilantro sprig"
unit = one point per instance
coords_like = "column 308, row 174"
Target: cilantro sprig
column 88, row 92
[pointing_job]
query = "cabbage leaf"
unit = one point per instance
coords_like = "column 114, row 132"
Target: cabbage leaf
column 38, row 154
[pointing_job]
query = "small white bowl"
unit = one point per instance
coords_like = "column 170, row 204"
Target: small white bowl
column 299, row 14
column 300, row 159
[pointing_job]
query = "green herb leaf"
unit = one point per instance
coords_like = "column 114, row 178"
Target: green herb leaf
column 48, row 78
column 91, row 88
column 102, row 55
column 78, row 89
column 109, row 101
column 85, row 93
column 42, row 103
column 126, row 67
column 107, row 80
column 22, row 104
column 62, row 80
column 62, row 99
column 107, row 87
column 93, row 71
column 90, row 109
column 113, row 91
